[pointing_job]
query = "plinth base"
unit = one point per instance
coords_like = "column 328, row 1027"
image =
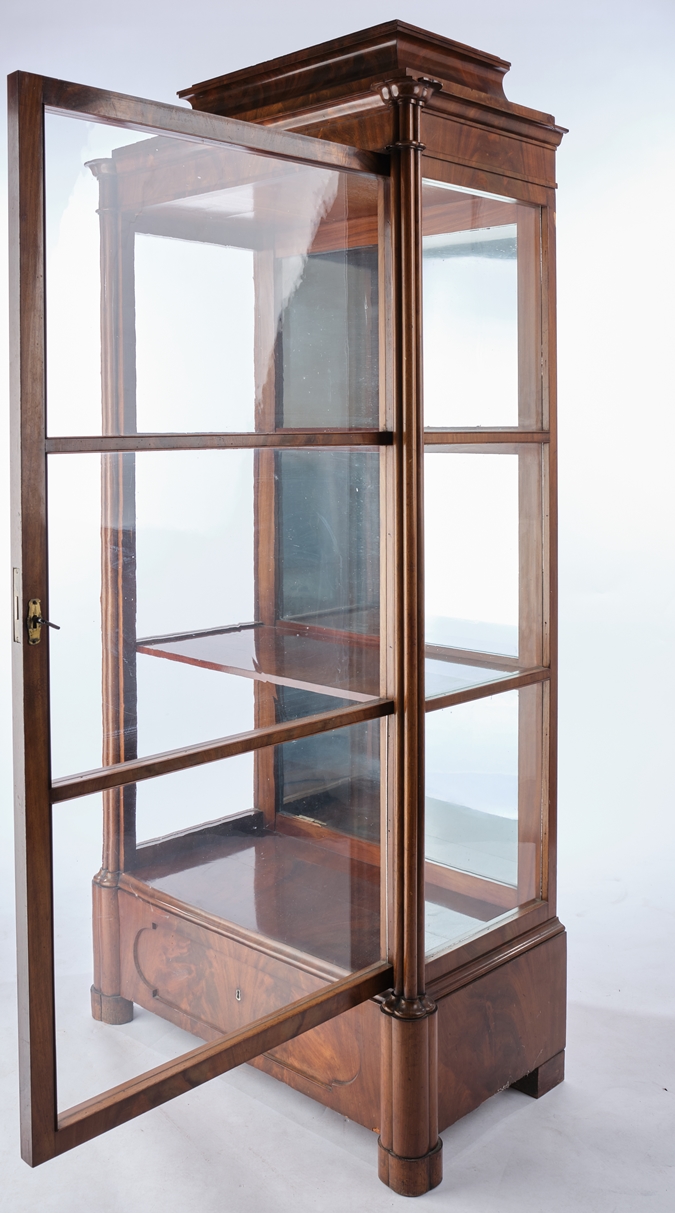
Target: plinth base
column 410, row 1176
column 111, row 1008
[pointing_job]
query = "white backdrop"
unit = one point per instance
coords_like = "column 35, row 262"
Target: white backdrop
column 604, row 69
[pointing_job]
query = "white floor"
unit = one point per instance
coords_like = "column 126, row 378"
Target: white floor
column 603, row 1142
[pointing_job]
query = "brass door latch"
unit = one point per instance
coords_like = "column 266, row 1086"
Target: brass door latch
column 35, row 622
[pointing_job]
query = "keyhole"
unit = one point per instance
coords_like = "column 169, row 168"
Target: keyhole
column 237, row 994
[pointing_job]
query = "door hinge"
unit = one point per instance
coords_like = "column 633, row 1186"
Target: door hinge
column 16, row 606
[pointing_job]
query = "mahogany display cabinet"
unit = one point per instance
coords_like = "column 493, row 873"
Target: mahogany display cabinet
column 283, row 381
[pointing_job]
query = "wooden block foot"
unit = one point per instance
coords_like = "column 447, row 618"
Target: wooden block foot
column 544, row 1078
column 411, row 1176
column 111, row 1008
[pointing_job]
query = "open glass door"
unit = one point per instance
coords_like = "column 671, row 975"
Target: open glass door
column 202, row 467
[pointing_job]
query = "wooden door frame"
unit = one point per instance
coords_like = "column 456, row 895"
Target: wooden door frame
column 45, row 1133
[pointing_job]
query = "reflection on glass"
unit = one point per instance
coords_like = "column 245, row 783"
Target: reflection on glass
column 239, row 591
column 195, row 323
column 482, row 817
column 232, row 917
column 446, row 677
column 471, row 565
column 333, row 780
column 471, row 255
column 240, row 292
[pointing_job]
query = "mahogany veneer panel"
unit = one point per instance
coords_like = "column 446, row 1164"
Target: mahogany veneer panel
column 501, row 1027
column 322, row 73
column 337, row 1064
column 190, row 974
column 491, row 1032
column 330, row 91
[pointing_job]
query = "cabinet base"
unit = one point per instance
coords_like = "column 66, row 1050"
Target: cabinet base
column 410, row 1176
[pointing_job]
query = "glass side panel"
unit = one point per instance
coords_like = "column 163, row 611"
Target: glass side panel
column 220, row 923
column 481, row 300
column 239, row 291
column 206, row 593
column 471, row 565
column 483, row 812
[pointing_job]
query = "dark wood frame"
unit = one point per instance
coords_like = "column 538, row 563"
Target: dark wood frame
column 369, row 92
column 44, row 1132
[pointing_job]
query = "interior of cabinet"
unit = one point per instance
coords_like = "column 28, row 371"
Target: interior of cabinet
column 313, row 833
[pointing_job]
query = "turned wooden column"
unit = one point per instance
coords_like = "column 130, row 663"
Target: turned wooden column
column 118, row 590
column 410, row 1159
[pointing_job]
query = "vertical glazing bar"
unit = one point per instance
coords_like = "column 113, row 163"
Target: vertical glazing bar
column 550, row 547
column 265, row 276
column 118, row 588
column 35, row 945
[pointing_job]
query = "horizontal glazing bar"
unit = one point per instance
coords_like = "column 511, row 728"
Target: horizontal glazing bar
column 485, row 689
column 482, row 435
column 472, row 657
column 156, row 1086
column 118, row 774
column 154, row 116
column 192, row 442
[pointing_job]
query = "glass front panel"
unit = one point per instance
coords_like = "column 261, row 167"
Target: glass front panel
column 481, row 299
column 205, row 593
column 471, row 563
column 482, row 813
column 221, row 922
column 200, row 288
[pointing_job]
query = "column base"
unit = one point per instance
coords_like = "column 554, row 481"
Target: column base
column 538, row 1082
column 410, row 1176
column 111, row 1008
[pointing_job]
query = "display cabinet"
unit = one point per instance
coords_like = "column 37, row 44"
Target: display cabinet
column 284, row 480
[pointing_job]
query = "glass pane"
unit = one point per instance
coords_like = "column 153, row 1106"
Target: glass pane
column 481, row 288
column 483, row 812
column 239, row 292
column 218, row 924
column 471, row 567
column 206, row 593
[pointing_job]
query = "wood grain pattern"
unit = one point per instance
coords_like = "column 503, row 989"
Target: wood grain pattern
column 468, row 694
column 138, row 112
column 542, row 1080
column 360, row 1101
column 191, row 442
column 30, row 663
column 408, row 1028
column 550, row 551
column 337, row 1064
column 511, row 436
column 489, row 181
column 88, row 782
column 512, row 925
column 499, row 1027
column 155, row 1087
column 490, row 896
column 346, row 65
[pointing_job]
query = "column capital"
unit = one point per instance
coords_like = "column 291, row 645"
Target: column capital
column 407, row 1008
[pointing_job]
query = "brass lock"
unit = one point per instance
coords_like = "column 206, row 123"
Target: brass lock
column 35, row 623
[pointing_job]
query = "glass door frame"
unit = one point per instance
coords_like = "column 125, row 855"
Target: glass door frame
column 44, row 1132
